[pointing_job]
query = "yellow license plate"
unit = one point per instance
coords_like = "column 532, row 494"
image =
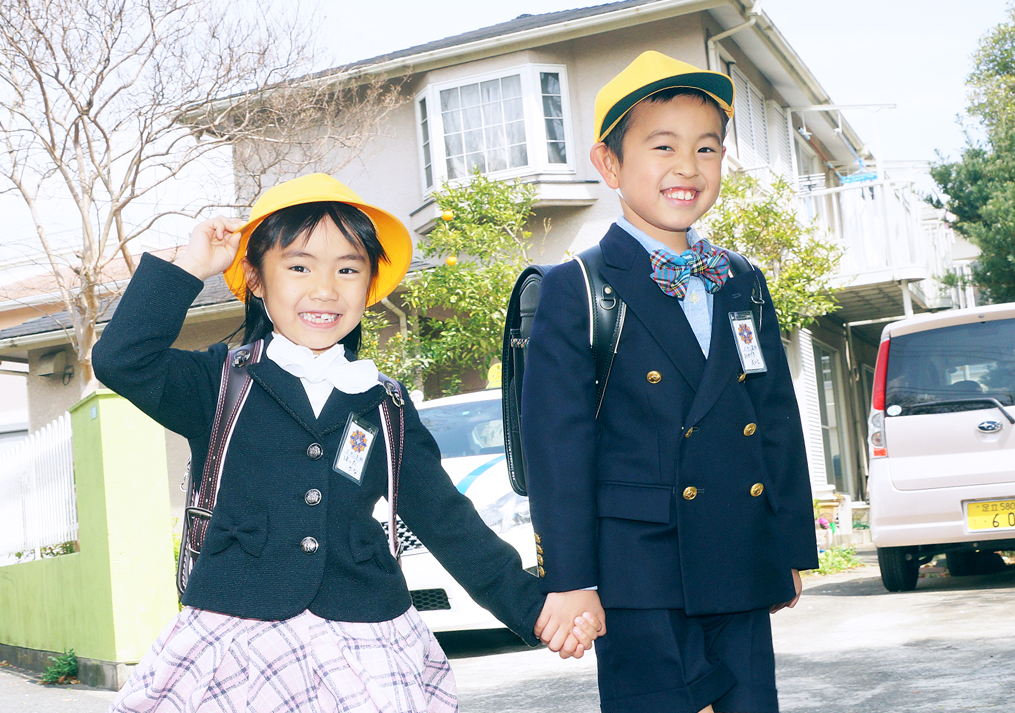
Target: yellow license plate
column 993, row 515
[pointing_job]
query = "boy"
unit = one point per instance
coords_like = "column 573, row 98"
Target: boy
column 684, row 507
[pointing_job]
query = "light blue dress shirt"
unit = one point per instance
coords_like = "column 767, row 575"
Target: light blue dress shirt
column 697, row 302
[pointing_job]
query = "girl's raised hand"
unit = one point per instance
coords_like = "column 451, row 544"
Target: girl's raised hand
column 212, row 247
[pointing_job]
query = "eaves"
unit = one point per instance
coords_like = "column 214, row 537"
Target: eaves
column 58, row 337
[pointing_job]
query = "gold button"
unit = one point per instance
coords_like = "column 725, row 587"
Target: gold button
column 539, row 549
column 690, row 493
column 538, row 539
column 688, row 434
column 757, row 489
column 654, row 377
column 749, row 429
column 743, row 375
column 539, row 559
column 541, row 571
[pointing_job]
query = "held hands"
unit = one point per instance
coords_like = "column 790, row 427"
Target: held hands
column 798, row 584
column 212, row 247
column 570, row 621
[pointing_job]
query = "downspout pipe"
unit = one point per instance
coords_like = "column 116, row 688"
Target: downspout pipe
column 713, row 42
column 403, row 323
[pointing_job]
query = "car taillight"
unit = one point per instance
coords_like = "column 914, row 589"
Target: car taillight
column 876, row 429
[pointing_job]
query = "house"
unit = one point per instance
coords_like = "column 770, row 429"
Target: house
column 516, row 100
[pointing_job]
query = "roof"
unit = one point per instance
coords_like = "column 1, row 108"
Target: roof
column 511, row 27
column 214, row 292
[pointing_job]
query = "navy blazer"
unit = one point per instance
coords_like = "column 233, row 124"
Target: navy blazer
column 252, row 564
column 691, row 490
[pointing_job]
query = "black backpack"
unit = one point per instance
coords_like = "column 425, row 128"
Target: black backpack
column 606, row 315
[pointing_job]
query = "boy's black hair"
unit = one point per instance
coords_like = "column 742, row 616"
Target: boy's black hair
column 282, row 228
column 615, row 139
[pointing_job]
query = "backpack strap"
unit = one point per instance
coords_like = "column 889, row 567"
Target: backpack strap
column 234, row 386
column 606, row 318
column 521, row 312
column 394, row 451
column 738, row 266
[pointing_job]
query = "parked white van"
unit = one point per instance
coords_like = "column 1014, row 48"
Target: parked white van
column 942, row 443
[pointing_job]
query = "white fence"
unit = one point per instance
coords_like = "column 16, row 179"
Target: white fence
column 37, row 503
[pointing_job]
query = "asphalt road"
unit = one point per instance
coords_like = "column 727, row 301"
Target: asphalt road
column 848, row 647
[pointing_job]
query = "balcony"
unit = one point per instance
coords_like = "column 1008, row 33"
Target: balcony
column 895, row 247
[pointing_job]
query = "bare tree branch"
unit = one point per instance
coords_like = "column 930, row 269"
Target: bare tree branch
column 105, row 103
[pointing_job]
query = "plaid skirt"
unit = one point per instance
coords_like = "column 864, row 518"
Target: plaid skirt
column 206, row 662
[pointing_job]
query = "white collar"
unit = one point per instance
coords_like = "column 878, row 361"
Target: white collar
column 331, row 367
column 648, row 242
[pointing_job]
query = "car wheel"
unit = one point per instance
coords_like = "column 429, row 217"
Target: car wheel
column 898, row 573
column 989, row 563
column 962, row 563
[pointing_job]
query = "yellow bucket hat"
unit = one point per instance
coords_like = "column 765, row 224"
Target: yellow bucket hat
column 653, row 72
column 316, row 188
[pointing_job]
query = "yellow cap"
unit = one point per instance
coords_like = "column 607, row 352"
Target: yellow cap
column 653, row 72
column 317, row 188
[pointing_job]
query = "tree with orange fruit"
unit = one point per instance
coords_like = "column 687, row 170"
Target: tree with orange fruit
column 458, row 306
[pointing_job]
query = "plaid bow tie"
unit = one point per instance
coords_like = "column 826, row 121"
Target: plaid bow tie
column 671, row 272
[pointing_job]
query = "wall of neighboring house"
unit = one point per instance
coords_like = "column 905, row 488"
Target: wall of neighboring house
column 50, row 397
column 13, row 407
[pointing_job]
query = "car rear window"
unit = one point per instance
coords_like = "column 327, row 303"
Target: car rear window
column 467, row 429
column 957, row 368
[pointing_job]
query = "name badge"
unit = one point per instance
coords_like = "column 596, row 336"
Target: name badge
column 745, row 334
column 357, row 441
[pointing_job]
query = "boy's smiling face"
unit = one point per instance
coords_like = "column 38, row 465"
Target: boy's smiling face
column 671, row 170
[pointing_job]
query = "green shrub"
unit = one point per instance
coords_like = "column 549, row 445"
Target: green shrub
column 64, row 668
column 837, row 559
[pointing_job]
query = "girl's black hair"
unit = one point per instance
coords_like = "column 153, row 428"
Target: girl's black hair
column 615, row 139
column 284, row 227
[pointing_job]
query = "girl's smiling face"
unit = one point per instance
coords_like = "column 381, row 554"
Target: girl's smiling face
column 315, row 290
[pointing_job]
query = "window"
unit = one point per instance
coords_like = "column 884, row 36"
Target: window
column 830, row 400
column 511, row 123
column 949, row 368
column 750, row 122
column 466, row 429
column 553, row 117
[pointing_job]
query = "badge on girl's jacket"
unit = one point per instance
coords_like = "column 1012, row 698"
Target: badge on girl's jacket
column 745, row 334
column 356, row 444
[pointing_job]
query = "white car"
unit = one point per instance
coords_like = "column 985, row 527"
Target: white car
column 470, row 432
column 942, row 443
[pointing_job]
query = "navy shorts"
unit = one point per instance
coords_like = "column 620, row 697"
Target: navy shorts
column 663, row 661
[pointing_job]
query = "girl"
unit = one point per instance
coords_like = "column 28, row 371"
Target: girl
column 296, row 603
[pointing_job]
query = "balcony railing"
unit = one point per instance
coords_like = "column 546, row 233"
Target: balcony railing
column 888, row 234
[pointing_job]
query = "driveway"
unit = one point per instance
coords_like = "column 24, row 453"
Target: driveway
column 848, row 647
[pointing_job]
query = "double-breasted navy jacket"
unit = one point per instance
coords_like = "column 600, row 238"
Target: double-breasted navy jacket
column 252, row 564
column 690, row 491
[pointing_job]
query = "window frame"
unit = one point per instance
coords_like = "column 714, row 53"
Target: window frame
column 536, row 139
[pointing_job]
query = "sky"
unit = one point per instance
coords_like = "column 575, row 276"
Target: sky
column 915, row 54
